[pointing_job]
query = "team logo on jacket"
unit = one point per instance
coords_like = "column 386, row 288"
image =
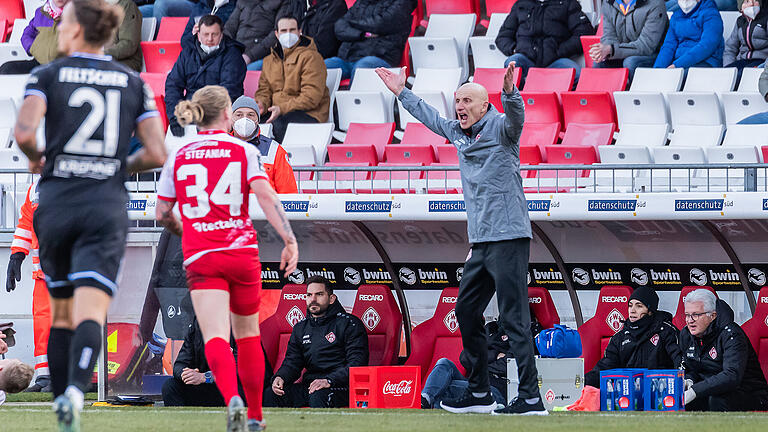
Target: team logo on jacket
column 294, row 316
column 450, row 321
column 331, row 337
column 371, row 318
column 614, row 320
column 713, row 353
column 655, row 339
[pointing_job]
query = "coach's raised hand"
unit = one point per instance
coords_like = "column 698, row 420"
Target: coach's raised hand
column 509, row 78
column 394, row 82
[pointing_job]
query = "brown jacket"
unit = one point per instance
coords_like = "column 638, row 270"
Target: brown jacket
column 294, row 80
column 125, row 46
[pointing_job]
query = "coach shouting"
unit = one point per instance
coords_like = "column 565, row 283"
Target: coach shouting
column 499, row 231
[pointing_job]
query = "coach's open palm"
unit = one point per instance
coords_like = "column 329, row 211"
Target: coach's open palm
column 509, row 78
column 394, row 82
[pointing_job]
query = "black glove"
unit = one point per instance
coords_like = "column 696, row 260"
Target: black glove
column 176, row 129
column 14, row 270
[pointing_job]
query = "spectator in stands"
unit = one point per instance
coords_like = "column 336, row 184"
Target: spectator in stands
column 748, row 44
column 317, row 18
column 292, row 83
column 15, row 376
column 721, row 368
column 326, row 344
column 251, row 24
column 126, row 46
column 373, row 34
column 723, row 5
column 186, row 8
column 648, row 340
column 694, row 38
column 207, row 58
column 245, row 115
column 633, row 31
column 543, row 34
column 39, row 38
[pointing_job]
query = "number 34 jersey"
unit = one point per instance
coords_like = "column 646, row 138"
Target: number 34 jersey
column 210, row 178
column 93, row 105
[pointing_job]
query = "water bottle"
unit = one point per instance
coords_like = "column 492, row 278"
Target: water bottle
column 617, row 392
column 609, row 395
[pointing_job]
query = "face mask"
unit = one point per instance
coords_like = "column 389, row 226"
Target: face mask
column 751, row 12
column 288, row 40
column 245, row 127
column 687, row 5
column 206, row 49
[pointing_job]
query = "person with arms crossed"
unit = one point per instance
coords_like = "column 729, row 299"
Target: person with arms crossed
column 211, row 178
column 91, row 105
column 499, row 232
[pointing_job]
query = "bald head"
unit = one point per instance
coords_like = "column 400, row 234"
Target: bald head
column 471, row 104
column 473, row 89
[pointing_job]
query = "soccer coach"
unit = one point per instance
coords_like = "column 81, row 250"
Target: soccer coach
column 499, row 232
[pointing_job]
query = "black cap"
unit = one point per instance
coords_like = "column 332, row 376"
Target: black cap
column 646, row 296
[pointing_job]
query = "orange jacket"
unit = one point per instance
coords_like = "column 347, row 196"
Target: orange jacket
column 24, row 238
column 276, row 165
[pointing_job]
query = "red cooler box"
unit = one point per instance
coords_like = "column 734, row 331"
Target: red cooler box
column 385, row 387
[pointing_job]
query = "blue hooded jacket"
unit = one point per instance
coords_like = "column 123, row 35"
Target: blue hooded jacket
column 693, row 38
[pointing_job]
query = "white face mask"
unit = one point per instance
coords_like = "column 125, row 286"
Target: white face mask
column 288, row 40
column 751, row 11
column 206, row 49
column 687, row 5
column 245, row 127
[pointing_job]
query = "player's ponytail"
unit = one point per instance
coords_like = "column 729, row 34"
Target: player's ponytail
column 188, row 112
column 205, row 108
column 98, row 19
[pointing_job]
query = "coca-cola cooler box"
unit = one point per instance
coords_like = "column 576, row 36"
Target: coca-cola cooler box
column 663, row 390
column 385, row 387
column 621, row 389
column 560, row 380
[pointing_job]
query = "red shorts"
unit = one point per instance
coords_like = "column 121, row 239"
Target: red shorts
column 237, row 271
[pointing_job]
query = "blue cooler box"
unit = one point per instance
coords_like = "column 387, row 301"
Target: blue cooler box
column 621, row 389
column 663, row 390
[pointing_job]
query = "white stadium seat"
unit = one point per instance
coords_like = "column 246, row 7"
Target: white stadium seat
column 148, row 26
column 697, row 136
column 716, row 80
column 616, row 154
column 332, row 81
column 657, row 80
column 436, row 87
column 18, row 29
column 680, row 178
column 13, row 86
column 484, row 51
column 7, row 121
column 749, row 79
column 445, row 43
column 302, row 155
column 13, row 159
column 699, row 108
column 367, row 101
column 746, row 154
column 12, row 52
column 5, row 137
column 642, row 135
column 752, row 135
column 318, row 135
column 740, row 105
column 641, row 108
column 30, row 6
column 729, row 22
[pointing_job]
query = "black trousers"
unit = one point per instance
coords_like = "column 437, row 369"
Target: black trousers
column 297, row 396
column 497, row 267
column 280, row 125
column 737, row 400
column 176, row 393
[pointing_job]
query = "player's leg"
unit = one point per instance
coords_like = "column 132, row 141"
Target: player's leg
column 59, row 343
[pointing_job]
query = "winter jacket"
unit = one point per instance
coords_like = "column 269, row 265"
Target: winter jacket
column 649, row 343
column 388, row 20
column 544, row 31
column 317, row 21
column 723, row 359
column 253, row 25
column 638, row 33
column 194, row 70
column 693, row 38
column 126, row 48
column 192, row 352
column 748, row 40
column 275, row 161
column 294, row 80
column 326, row 347
column 40, row 37
column 489, row 160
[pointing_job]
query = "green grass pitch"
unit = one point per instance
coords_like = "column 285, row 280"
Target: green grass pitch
column 29, row 418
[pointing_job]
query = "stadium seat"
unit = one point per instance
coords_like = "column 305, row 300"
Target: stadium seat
column 485, row 54
column 5, row 136
column 171, row 29
column 493, row 81
column 597, row 331
column 19, row 24
column 447, row 154
column 367, row 101
column 160, row 104
column 595, row 135
column 445, row 43
column 251, row 83
column 549, row 80
column 679, row 319
column 592, row 102
column 740, row 105
column 687, row 108
column 155, row 81
column 756, row 329
column 716, row 80
column 733, row 154
column 436, row 87
column 13, row 87
column 586, row 42
column 418, row 134
column 407, row 175
column 160, row 56
column 363, row 154
column 697, row 136
column 30, row 6
column 749, row 79
column 569, row 155
column 276, row 330
column 753, row 135
column 11, row 9
column 318, row 135
column 499, row 6
column 729, row 21
column 450, row 7
column 148, row 27
column 530, row 155
column 657, row 80
column 335, row 176
column 540, row 94
column 9, row 52
column 641, row 108
column 7, row 118
column 678, row 179
column 617, row 154
column 413, row 154
column 301, row 155
column 539, row 134
column 13, row 159
column 376, row 307
column 377, row 134
column 438, row 336
column 542, row 307
column 332, row 81
column 642, row 135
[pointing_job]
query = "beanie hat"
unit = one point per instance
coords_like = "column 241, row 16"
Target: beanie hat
column 646, row 296
column 246, row 102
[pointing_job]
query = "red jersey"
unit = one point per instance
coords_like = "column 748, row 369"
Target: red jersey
column 210, row 178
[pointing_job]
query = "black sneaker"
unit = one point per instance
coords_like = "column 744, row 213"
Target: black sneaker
column 425, row 403
column 520, row 407
column 467, row 403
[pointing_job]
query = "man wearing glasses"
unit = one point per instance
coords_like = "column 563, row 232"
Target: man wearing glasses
column 721, row 368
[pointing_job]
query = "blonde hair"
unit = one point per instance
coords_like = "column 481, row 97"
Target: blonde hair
column 206, row 106
column 17, row 377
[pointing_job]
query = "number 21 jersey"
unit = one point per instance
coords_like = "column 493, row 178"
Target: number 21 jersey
column 210, row 178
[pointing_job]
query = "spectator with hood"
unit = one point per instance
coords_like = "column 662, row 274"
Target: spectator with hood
column 747, row 46
column 694, row 38
column 317, row 18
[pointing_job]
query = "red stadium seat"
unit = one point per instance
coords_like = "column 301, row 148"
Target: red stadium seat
column 592, row 102
column 756, row 329
column 539, row 134
column 399, row 175
column 160, row 56
column 171, row 29
column 3, row 29
column 413, row 154
column 586, row 42
column 418, row 134
column 598, row 330
column 160, row 102
column 594, row 135
column 763, row 148
column 251, row 83
column 276, row 330
column 571, row 155
column 378, row 134
column 450, row 7
column 530, row 155
column 679, row 319
column 376, row 307
column 542, row 307
column 346, row 175
column 498, row 6
column 493, row 81
column 156, row 81
column 362, row 154
column 10, row 10
column 448, row 174
column 438, row 336
column 447, row 154
column 549, row 80
column 542, row 107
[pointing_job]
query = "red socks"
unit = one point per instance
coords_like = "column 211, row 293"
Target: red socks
column 251, row 371
column 222, row 363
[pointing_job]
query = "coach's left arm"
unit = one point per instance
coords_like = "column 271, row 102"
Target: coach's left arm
column 514, row 107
